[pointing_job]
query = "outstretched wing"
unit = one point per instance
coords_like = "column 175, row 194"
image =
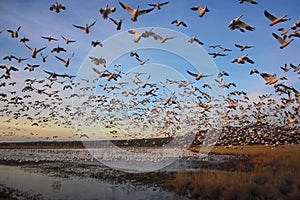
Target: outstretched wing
column 141, row 12
column 192, row 74
column 126, row 7
column 93, row 23
column 80, row 27
column 269, row 16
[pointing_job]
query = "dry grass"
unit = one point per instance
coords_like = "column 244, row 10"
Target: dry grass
column 272, row 173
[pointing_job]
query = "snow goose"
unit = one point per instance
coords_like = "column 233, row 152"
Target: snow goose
column 274, row 20
column 135, row 12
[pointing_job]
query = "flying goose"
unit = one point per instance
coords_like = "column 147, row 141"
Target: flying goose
column 254, row 71
column 14, row 34
column 49, row 38
column 240, row 25
column 24, row 39
column 137, row 36
column 242, row 59
column 216, row 54
column 201, row 10
column 194, row 39
column 249, row 1
column 44, row 57
column 35, row 51
column 158, row 5
column 66, row 62
column 283, row 41
column 135, row 12
column 274, row 20
column 8, row 69
column 30, row 67
column 96, row 43
column 179, row 22
column 106, row 11
column 283, row 31
column 58, row 49
column 53, row 75
column 197, row 76
column 117, row 23
column 98, row 61
column 271, row 79
column 296, row 25
column 294, row 34
column 164, row 39
column 243, row 47
column 67, row 40
column 57, row 7
column 86, row 28
column 285, row 68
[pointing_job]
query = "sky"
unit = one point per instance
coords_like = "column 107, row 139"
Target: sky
column 37, row 20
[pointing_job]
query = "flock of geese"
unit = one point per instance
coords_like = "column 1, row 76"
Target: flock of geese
column 45, row 102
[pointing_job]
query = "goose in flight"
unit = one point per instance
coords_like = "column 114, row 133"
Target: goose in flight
column 106, row 11
column 53, row 75
column 243, row 59
column 283, row 41
column 243, row 47
column 197, row 76
column 137, row 36
column 14, row 34
column 254, row 71
column 44, row 57
column 49, row 38
column 24, row 39
column 201, row 10
column 68, row 41
column 294, row 34
column 271, row 79
column 87, row 27
column 179, row 22
column 249, row 1
column 283, row 31
column 57, row 7
column 240, row 25
column 117, row 23
column 8, row 69
column 216, row 54
column 164, row 39
column 274, row 20
column 195, row 39
column 30, row 67
column 135, row 12
column 285, row 68
column 296, row 25
column 98, row 61
column 66, row 62
column 96, row 43
column 158, row 5
column 35, row 51
column 58, row 49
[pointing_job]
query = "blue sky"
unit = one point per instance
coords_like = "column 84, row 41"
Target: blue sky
column 37, row 20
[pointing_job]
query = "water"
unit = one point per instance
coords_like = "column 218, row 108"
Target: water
column 76, row 188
